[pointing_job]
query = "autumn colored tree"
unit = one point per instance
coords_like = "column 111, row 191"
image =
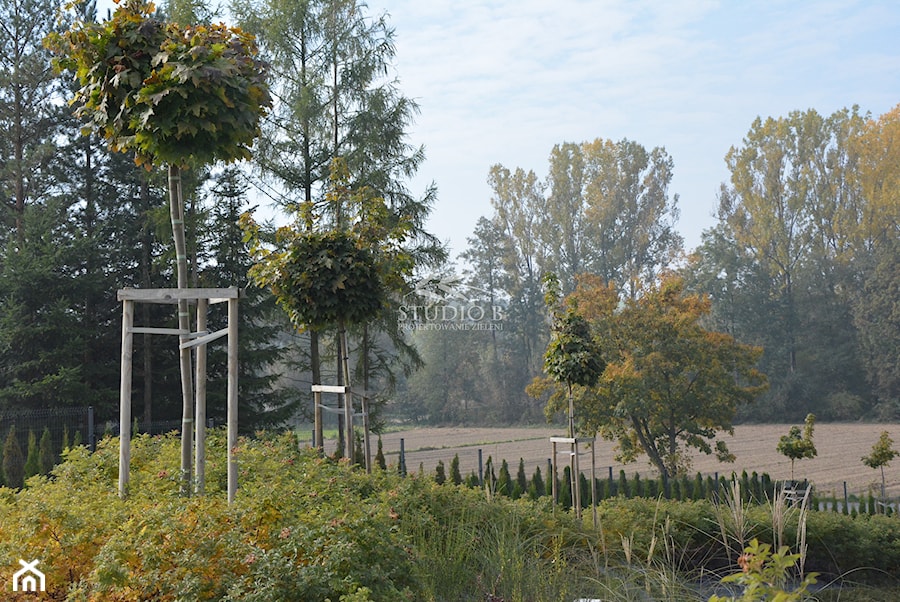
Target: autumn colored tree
column 797, row 446
column 882, row 453
column 669, row 385
column 179, row 95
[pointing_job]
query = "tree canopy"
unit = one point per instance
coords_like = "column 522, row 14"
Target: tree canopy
column 180, row 94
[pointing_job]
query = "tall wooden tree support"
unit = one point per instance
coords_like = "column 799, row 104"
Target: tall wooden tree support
column 188, row 340
column 573, row 454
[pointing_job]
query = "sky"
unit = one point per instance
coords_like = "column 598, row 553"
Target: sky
column 503, row 81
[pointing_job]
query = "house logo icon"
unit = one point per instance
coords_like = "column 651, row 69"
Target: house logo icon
column 28, row 578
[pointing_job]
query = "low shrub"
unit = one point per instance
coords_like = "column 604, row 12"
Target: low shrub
column 310, row 528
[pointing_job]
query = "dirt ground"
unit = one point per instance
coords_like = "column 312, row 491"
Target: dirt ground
column 840, row 449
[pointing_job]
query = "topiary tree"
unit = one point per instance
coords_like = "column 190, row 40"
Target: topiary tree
column 337, row 277
column 797, row 446
column 882, row 453
column 177, row 95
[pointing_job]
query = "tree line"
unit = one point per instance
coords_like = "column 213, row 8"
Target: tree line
column 802, row 262
column 81, row 221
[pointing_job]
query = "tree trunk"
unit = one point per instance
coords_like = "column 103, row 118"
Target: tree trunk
column 176, row 203
column 146, row 282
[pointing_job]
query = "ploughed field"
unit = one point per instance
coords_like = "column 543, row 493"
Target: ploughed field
column 840, row 449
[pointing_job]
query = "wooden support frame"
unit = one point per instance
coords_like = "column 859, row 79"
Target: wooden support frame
column 574, row 454
column 203, row 297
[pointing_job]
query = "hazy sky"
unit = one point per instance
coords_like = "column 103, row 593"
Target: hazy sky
column 503, row 81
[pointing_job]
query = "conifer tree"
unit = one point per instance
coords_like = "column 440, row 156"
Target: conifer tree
column 46, row 455
column 13, row 461
column 32, row 458
column 455, row 475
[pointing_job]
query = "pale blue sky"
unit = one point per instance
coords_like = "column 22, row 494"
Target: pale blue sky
column 502, row 81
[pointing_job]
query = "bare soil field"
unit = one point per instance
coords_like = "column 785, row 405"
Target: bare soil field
column 840, row 449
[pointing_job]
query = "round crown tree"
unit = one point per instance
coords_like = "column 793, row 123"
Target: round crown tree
column 175, row 95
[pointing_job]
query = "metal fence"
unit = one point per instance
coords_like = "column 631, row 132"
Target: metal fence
column 72, row 425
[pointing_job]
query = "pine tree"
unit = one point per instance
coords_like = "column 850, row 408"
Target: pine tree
column 537, row 483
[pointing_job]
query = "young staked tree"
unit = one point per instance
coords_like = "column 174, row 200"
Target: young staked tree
column 796, row 445
column 882, row 453
column 176, row 95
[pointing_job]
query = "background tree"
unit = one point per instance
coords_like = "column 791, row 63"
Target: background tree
column 778, row 263
column 797, row 446
column 29, row 115
column 630, row 214
column 882, row 453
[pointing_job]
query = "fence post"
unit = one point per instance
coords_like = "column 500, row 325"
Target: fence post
column 846, row 499
column 480, row 470
column 402, row 466
column 92, row 432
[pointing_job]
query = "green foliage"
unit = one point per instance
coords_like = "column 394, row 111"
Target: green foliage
column 184, row 95
column 337, row 276
column 572, row 356
column 32, row 457
column 796, row 446
column 882, row 452
column 307, row 528
column 764, row 576
column 328, row 279
column 46, row 455
column 455, row 475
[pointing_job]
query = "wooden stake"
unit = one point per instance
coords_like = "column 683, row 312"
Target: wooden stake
column 125, row 397
column 232, row 397
column 200, row 418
